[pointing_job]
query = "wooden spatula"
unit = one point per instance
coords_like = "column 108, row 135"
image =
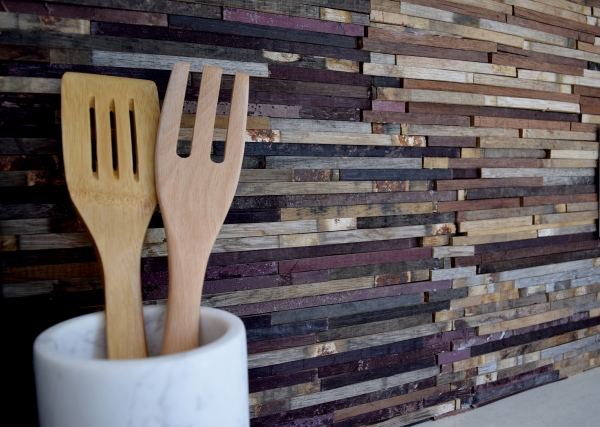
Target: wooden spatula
column 109, row 127
column 194, row 194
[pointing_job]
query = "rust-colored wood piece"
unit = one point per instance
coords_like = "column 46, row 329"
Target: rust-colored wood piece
column 109, row 128
column 195, row 194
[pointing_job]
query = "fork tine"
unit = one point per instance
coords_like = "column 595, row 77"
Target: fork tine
column 204, row 124
column 170, row 118
column 236, row 129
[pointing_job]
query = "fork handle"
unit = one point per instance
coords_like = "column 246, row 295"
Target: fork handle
column 187, row 267
column 125, row 333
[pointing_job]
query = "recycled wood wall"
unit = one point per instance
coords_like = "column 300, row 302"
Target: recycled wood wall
column 415, row 230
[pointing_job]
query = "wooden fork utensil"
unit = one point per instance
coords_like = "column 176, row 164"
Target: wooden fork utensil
column 194, row 194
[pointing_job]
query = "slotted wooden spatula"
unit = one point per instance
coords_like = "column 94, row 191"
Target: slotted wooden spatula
column 109, row 127
column 194, row 194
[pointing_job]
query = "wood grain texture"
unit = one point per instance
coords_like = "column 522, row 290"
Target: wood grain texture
column 207, row 180
column 388, row 143
column 116, row 227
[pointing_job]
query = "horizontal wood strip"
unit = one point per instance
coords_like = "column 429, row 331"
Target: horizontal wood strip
column 427, row 84
column 416, row 95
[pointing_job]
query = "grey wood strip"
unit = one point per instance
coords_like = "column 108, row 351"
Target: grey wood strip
column 344, row 309
column 375, row 327
column 301, row 162
column 320, row 125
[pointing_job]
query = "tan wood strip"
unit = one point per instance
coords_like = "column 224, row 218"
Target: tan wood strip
column 293, row 214
column 524, row 321
column 364, row 235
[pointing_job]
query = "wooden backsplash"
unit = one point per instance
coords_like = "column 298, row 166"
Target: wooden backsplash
column 415, row 228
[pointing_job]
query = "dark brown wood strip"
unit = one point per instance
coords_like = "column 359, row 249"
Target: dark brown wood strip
column 428, row 108
column 337, row 261
column 426, row 119
column 531, row 64
column 430, row 40
column 395, row 48
column 554, row 20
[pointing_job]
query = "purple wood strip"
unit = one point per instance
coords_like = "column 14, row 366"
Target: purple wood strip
column 279, row 343
column 161, row 278
column 155, row 278
column 308, row 264
column 449, row 336
column 249, row 257
column 393, row 279
column 322, row 76
column 292, row 22
column 314, row 301
column 310, row 277
column 241, row 270
column 88, row 13
column 365, row 364
column 152, row 293
column 453, row 356
column 464, row 174
column 483, row 339
column 258, row 110
column 396, row 106
column 245, row 283
column 532, row 243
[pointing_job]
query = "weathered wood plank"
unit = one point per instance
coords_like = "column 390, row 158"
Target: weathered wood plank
column 464, row 66
column 100, row 13
column 511, row 92
column 26, row 22
column 408, row 72
column 416, row 95
column 400, row 35
column 270, row 19
column 492, row 30
column 339, row 237
column 301, row 162
column 165, row 62
column 437, row 24
column 403, row 118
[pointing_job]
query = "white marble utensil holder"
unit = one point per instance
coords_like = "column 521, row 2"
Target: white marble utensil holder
column 77, row 386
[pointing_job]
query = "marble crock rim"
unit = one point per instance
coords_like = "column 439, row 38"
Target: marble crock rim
column 44, row 347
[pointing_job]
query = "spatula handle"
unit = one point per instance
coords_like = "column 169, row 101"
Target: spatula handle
column 126, row 336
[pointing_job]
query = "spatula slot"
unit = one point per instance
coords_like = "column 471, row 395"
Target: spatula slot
column 113, row 136
column 133, row 131
column 93, row 136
